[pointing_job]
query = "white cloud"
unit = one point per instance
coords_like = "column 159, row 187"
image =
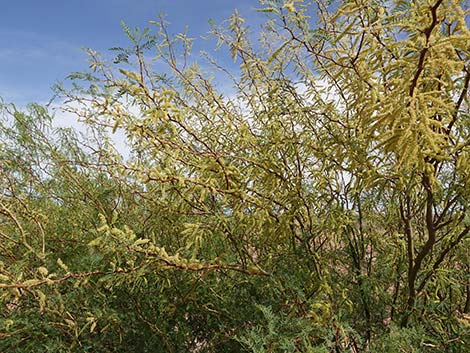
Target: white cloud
column 64, row 117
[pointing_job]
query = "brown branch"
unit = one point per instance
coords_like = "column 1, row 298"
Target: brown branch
column 442, row 256
column 54, row 281
column 462, row 96
column 198, row 267
column 425, row 251
column 422, row 55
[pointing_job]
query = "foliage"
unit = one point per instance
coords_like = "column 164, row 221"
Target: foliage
column 323, row 206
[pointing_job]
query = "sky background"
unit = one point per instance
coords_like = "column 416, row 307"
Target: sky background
column 41, row 41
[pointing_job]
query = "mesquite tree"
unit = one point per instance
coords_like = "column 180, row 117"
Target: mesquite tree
column 319, row 204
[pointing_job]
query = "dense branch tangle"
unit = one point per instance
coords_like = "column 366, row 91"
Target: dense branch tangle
column 328, row 189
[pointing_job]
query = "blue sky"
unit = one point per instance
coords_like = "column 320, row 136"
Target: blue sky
column 41, row 41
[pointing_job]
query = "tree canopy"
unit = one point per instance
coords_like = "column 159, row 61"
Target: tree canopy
column 319, row 204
